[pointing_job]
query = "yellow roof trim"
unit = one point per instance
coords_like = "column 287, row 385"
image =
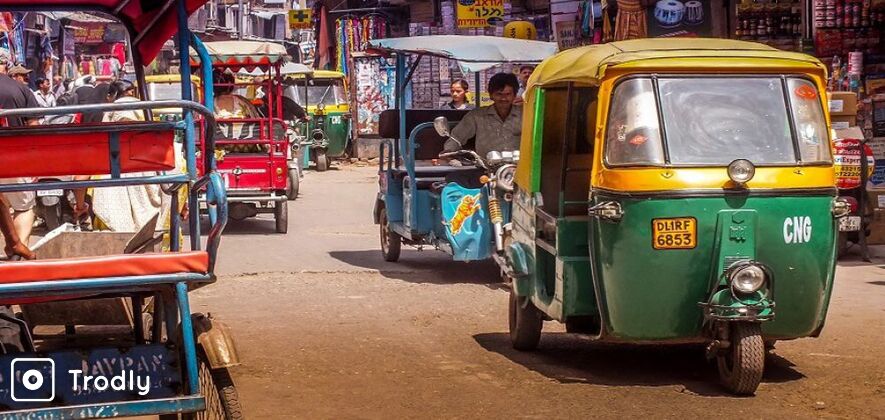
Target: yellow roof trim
column 320, row 74
column 168, row 78
column 588, row 64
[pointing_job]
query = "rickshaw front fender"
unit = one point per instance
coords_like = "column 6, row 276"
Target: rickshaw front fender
column 379, row 204
column 517, row 260
column 216, row 341
column 725, row 306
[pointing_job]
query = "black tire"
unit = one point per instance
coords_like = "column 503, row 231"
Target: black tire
column 294, row 184
column 222, row 400
column 525, row 323
column 842, row 245
column 391, row 242
column 281, row 216
column 322, row 160
column 741, row 367
column 52, row 217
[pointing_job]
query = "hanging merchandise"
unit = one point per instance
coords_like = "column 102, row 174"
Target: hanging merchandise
column 630, row 23
column 18, row 38
column 353, row 34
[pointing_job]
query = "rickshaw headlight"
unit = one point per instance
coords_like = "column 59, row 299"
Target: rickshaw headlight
column 504, row 177
column 741, row 171
column 748, row 279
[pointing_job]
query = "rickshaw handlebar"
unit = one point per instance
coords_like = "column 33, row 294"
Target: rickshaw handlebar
column 121, row 106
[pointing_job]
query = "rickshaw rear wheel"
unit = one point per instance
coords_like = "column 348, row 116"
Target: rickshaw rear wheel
column 525, row 323
column 216, row 385
column 842, row 244
column 741, row 366
column 294, row 184
column 391, row 242
column 322, row 160
column 281, row 216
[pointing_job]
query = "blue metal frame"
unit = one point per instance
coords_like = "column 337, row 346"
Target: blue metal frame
column 187, row 404
column 177, row 309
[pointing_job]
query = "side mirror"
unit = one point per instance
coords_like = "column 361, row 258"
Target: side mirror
column 441, row 125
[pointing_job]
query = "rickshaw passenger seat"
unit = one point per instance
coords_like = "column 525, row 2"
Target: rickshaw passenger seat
column 123, row 265
column 429, row 144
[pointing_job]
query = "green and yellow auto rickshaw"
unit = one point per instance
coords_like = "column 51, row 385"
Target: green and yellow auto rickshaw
column 162, row 87
column 675, row 191
column 328, row 132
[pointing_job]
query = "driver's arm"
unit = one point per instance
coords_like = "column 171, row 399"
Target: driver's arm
column 465, row 130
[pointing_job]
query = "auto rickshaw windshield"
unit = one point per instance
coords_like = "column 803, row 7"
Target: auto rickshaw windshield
column 715, row 120
column 167, row 91
column 329, row 91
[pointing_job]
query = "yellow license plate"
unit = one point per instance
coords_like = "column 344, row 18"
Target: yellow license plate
column 674, row 233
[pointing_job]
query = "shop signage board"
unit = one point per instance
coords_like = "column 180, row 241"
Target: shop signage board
column 846, row 158
column 301, row 19
column 89, row 32
column 480, row 13
column 568, row 35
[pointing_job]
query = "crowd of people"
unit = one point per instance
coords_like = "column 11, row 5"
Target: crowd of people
column 120, row 209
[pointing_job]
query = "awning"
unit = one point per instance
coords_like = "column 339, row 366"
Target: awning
column 286, row 69
column 473, row 53
column 243, row 53
column 151, row 22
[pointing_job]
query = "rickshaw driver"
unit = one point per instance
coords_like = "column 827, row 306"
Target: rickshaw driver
column 496, row 127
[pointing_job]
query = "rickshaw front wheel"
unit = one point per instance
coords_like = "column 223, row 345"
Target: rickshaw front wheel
column 216, row 385
column 322, row 160
column 525, row 323
column 741, row 365
column 391, row 242
column 294, row 184
column 281, row 216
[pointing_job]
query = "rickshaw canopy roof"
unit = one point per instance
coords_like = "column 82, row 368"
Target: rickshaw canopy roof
column 245, row 54
column 473, row 52
column 150, row 22
column 287, row 69
column 588, row 64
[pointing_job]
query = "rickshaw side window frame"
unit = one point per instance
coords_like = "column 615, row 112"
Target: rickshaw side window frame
column 611, row 102
column 828, row 159
column 654, row 77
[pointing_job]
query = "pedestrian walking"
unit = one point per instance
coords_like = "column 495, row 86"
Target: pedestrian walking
column 43, row 94
column 19, row 73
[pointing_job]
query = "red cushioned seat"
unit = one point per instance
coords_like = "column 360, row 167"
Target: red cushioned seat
column 105, row 266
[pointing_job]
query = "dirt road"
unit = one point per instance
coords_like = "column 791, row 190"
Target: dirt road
column 326, row 329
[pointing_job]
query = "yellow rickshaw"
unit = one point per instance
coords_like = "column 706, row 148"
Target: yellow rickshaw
column 675, row 191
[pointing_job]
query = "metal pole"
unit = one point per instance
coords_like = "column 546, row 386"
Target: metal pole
column 240, row 17
column 478, row 92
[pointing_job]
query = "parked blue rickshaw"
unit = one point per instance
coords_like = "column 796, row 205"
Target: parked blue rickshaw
column 422, row 200
column 128, row 328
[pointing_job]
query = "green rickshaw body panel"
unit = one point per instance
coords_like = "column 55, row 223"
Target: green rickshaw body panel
column 336, row 126
column 653, row 294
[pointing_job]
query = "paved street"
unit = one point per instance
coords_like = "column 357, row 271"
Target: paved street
column 326, row 329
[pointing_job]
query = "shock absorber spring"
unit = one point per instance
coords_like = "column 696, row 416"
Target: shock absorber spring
column 495, row 210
